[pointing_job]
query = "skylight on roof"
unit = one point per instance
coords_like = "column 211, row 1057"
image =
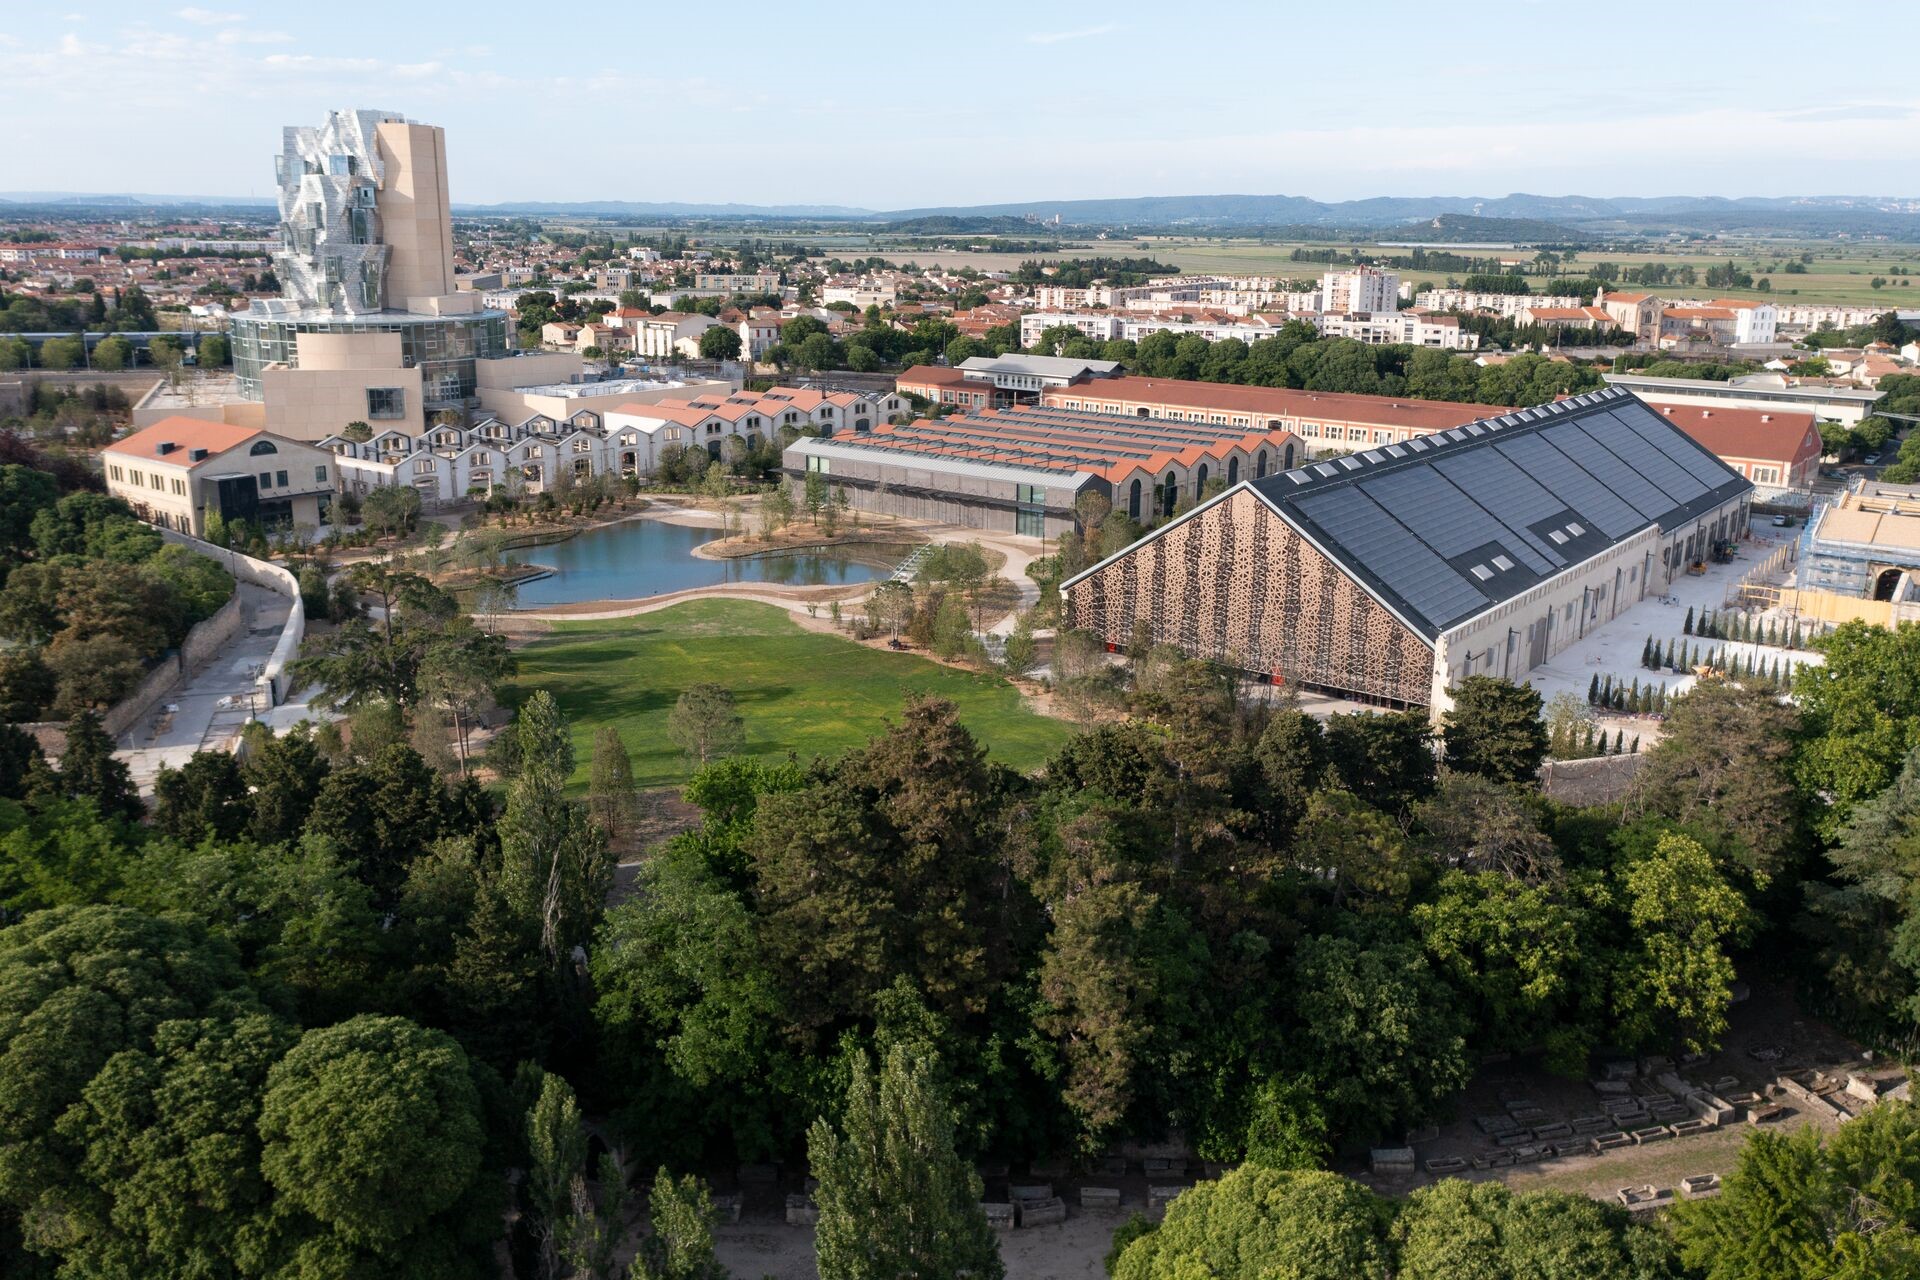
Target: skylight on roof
column 1350, row 464
column 1575, row 528
column 1481, row 572
column 1326, row 469
column 1395, row 451
column 1502, row 563
column 1559, row 538
column 1473, row 429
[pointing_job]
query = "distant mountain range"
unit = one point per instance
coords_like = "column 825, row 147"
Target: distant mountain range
column 1512, row 217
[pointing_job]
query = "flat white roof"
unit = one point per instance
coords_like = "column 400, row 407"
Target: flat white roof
column 872, row 452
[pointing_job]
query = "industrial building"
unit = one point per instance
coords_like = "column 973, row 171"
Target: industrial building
column 1325, row 420
column 1844, row 405
column 1389, row 575
column 1020, row 469
column 989, row 382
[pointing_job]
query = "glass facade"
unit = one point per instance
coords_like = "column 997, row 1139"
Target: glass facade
column 443, row 348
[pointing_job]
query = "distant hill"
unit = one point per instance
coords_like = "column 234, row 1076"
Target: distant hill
column 1519, row 217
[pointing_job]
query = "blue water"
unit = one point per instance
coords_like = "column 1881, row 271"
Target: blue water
column 640, row 558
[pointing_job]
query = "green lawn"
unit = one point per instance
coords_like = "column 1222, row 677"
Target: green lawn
column 799, row 691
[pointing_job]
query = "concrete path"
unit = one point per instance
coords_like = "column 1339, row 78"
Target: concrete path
column 212, row 704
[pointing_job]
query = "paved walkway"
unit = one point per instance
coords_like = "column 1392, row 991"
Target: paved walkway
column 1614, row 648
column 212, row 704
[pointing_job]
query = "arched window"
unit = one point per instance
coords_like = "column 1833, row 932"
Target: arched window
column 263, row 446
column 1200, row 482
column 1169, row 494
column 1288, row 464
column 1133, row 501
column 1260, row 465
column 1233, row 472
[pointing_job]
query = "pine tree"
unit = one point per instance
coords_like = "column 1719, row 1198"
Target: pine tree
column 89, row 771
column 895, row 1199
column 1687, row 626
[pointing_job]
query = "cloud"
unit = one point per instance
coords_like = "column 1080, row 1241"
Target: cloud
column 207, row 17
column 234, row 36
column 1083, row 33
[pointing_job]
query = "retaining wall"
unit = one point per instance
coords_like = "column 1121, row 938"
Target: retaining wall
column 262, row 573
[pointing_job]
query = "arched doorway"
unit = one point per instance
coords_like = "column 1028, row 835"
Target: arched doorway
column 1260, row 466
column 1200, row 483
column 1287, row 465
column 1233, row 472
column 1887, row 583
column 1169, row 494
column 1133, row 500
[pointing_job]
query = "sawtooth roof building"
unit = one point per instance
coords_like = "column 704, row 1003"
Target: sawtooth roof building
column 1020, row 469
column 1389, row 575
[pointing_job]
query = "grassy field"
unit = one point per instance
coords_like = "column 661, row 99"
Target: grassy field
column 800, row 691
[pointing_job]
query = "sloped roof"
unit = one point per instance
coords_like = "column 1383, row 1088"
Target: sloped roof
column 184, row 434
column 1447, row 526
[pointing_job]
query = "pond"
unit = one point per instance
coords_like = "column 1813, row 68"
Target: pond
column 639, row 558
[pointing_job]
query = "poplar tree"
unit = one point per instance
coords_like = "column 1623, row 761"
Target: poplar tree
column 896, row 1201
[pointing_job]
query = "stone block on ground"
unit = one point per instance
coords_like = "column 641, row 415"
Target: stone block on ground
column 1100, row 1199
column 1652, row 1133
column 1166, row 1168
column 1020, row 1192
column 802, row 1212
column 1447, row 1164
column 1392, row 1160
column 1607, row 1142
column 1700, row 1185
column 1040, row 1213
column 999, row 1216
column 726, row 1207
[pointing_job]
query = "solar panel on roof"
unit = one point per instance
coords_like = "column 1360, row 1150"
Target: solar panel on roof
column 1673, row 442
column 1624, row 480
column 1403, row 563
column 1557, row 474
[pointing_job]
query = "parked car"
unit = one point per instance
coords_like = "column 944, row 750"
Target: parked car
column 1783, row 522
column 1871, row 459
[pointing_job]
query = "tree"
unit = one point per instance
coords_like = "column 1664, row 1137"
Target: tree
column 1861, row 714
column 89, row 771
column 24, row 493
column 78, row 985
column 1258, row 1222
column 1494, row 729
column 1021, row 651
column 391, row 509
column 896, row 1201
column 610, row 789
column 815, row 495
column 720, row 343
column 705, row 723
column 1384, row 759
column 555, row 868
column 1378, row 1030
column 557, row 1153
column 1677, row 978
column 680, row 1246
column 400, row 1103
column 205, row 798
column 1795, row 1209
column 1725, row 765
column 891, row 605
column 284, row 775
column 26, row 685
column 1455, row 1228
column 214, row 352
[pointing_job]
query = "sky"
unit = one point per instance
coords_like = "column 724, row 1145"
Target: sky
column 897, row 104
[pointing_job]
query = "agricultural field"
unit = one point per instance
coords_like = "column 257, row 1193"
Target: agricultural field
column 800, row 692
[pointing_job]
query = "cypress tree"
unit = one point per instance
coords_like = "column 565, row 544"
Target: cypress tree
column 895, row 1199
column 1636, row 744
column 1687, row 626
column 1646, row 654
column 1593, row 691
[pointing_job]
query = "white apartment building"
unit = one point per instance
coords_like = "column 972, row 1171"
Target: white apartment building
column 733, row 282
column 1508, row 305
column 1407, row 328
column 1359, row 289
column 1805, row 317
column 1213, row 327
column 665, row 336
column 1101, row 326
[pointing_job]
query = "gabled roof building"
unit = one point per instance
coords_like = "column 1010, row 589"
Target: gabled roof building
column 1389, row 575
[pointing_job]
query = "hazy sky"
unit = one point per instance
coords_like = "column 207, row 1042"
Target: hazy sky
column 895, row 104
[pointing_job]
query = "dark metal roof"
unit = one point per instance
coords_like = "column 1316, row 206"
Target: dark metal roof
column 1446, row 526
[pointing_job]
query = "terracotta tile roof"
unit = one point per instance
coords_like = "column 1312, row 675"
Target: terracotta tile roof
column 1279, row 402
column 183, row 434
column 1764, row 435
